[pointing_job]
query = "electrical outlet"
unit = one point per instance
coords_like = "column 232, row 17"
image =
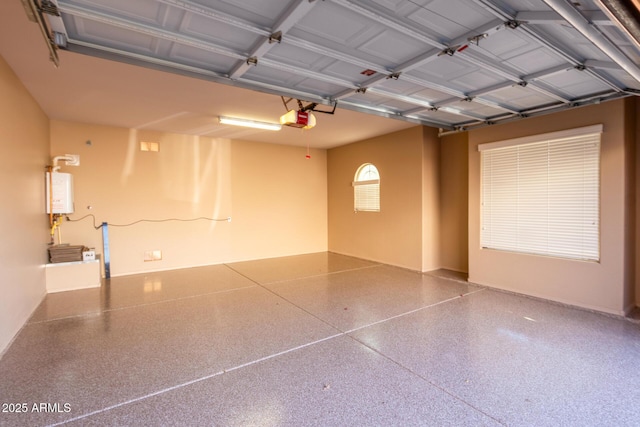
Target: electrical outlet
column 154, row 255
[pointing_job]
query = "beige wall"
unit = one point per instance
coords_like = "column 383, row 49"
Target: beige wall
column 636, row 119
column 454, row 212
column 431, row 197
column 279, row 200
column 394, row 234
column 601, row 286
column 275, row 197
column 630, row 201
column 423, row 220
column 24, row 147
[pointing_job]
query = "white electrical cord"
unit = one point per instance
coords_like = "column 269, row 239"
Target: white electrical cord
column 201, row 218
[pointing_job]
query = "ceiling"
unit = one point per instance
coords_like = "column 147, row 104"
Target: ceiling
column 450, row 64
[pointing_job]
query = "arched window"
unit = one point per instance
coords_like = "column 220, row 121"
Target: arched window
column 366, row 189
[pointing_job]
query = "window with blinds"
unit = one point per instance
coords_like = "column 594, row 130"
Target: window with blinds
column 541, row 194
column 366, row 189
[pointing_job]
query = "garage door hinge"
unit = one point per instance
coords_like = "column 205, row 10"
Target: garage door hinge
column 275, row 37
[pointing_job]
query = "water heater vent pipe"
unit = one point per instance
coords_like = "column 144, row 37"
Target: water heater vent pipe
column 69, row 159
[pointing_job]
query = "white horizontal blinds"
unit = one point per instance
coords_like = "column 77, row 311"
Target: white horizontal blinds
column 366, row 189
column 499, row 189
column 574, row 196
column 367, row 196
column 543, row 197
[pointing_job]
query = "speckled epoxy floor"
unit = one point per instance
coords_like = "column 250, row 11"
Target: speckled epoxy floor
column 319, row 339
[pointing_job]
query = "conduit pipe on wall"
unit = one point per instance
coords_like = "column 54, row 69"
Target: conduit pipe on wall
column 580, row 23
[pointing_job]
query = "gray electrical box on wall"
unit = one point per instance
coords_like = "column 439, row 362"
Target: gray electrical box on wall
column 59, row 194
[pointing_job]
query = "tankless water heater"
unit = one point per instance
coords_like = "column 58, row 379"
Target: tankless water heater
column 59, row 198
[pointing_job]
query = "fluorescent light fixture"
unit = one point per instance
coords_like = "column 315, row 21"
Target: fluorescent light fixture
column 249, row 123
